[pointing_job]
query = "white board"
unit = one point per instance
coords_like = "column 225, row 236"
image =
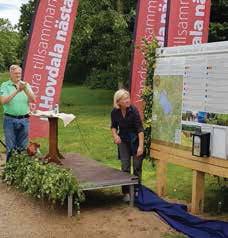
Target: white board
column 204, row 69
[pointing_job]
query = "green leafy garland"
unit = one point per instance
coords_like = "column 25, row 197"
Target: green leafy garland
column 149, row 52
column 41, row 180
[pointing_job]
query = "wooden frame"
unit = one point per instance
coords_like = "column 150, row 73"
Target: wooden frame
column 70, row 205
column 92, row 175
column 164, row 154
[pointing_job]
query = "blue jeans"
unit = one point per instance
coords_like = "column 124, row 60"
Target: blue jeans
column 16, row 134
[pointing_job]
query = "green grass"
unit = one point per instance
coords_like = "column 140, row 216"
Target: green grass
column 90, row 135
column 174, row 235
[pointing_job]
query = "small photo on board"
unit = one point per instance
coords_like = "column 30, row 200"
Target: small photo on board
column 217, row 119
column 186, row 134
column 190, row 116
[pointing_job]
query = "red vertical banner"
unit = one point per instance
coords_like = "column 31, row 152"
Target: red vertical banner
column 188, row 22
column 151, row 22
column 47, row 54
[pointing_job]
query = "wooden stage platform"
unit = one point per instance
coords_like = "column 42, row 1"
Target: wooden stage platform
column 93, row 175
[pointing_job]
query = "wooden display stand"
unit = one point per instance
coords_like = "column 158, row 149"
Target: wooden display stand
column 53, row 155
column 164, row 154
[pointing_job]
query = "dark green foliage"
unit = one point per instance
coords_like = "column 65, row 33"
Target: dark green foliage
column 9, row 42
column 149, row 51
column 27, row 12
column 216, row 200
column 219, row 11
column 101, row 45
column 41, row 180
column 219, row 21
column 98, row 78
column 218, row 32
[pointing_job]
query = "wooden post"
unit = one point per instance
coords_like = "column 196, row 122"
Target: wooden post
column 161, row 182
column 197, row 192
column 200, row 166
column 53, row 155
column 53, row 138
column 132, row 195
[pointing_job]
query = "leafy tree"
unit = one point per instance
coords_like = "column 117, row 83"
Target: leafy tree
column 101, row 43
column 102, row 39
column 5, row 25
column 27, row 12
column 219, row 21
column 9, row 42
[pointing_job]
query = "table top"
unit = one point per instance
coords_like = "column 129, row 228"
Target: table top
column 93, row 175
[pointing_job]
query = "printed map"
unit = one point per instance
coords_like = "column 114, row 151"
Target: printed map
column 167, row 108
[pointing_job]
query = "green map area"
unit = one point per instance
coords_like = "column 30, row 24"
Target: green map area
column 167, row 108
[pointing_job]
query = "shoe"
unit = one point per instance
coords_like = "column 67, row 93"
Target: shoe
column 126, row 197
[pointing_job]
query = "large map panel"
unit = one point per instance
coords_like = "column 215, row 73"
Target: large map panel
column 167, row 108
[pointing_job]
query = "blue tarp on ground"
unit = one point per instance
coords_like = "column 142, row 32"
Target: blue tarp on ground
column 176, row 216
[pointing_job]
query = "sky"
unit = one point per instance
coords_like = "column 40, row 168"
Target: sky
column 11, row 9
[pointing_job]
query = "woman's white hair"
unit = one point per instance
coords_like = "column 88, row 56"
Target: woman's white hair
column 14, row 67
column 121, row 93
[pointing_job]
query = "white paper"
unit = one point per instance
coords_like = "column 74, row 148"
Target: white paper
column 219, row 143
column 66, row 118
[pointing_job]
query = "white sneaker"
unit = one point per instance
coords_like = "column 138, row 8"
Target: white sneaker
column 126, row 197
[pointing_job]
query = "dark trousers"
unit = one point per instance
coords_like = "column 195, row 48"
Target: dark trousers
column 125, row 157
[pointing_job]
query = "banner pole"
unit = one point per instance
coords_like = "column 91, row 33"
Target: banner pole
column 133, row 44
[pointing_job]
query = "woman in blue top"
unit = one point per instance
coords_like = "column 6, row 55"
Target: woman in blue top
column 127, row 131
